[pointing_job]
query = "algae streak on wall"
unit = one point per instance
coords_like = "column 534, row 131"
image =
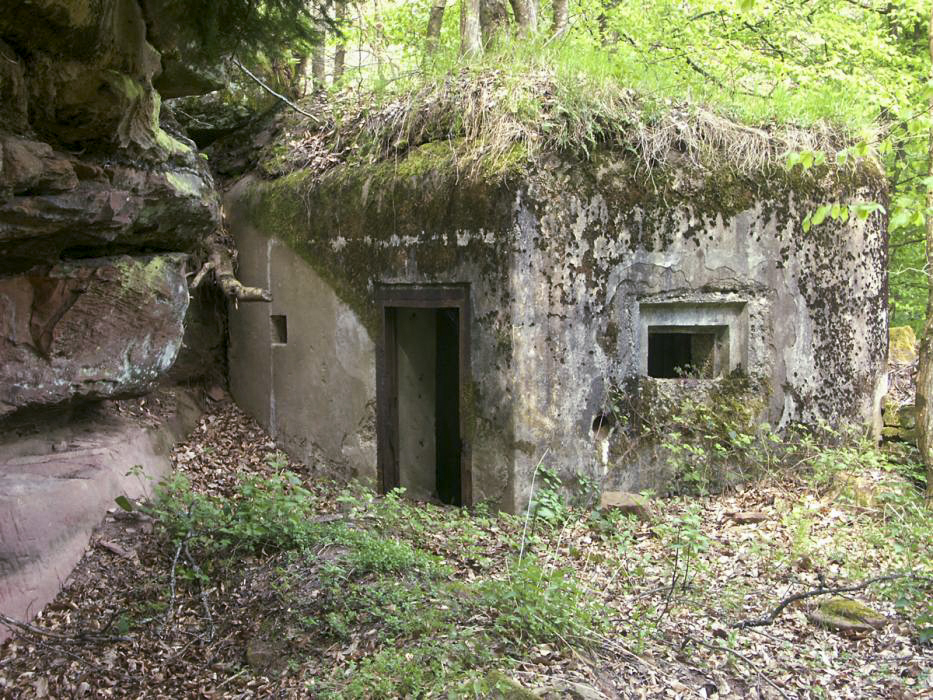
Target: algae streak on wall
column 575, row 269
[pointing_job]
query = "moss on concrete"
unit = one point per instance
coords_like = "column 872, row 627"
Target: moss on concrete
column 357, row 224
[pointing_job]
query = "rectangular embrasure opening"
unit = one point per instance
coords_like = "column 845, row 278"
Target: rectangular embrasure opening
column 684, row 353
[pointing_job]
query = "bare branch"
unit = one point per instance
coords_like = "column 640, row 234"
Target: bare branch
column 13, row 623
column 220, row 262
column 272, row 92
column 822, row 590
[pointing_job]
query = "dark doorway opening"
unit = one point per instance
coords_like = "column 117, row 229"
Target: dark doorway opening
column 447, row 406
column 422, row 367
column 677, row 354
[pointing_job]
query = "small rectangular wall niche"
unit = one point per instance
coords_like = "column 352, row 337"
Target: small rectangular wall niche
column 279, row 329
column 422, row 367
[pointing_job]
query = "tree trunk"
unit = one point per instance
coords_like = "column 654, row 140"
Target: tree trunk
column 318, row 68
column 925, row 370
column 526, row 16
column 340, row 52
column 470, row 37
column 494, row 20
column 435, row 22
column 561, row 16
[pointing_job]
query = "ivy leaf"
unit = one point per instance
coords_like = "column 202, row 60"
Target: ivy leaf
column 820, row 215
column 746, row 5
column 124, row 503
column 806, row 223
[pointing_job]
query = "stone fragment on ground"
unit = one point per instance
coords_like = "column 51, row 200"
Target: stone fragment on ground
column 747, row 517
column 846, row 616
column 628, row 503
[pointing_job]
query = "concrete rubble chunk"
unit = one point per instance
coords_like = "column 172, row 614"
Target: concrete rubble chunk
column 629, row 503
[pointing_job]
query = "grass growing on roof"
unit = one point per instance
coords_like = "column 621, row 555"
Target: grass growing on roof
column 568, row 98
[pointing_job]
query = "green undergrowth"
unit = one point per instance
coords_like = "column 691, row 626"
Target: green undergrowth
column 363, row 580
column 391, row 598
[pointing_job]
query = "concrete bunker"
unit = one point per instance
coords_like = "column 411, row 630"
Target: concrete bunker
column 435, row 320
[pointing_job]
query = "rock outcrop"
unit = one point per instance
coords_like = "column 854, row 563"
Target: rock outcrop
column 102, row 199
column 89, row 329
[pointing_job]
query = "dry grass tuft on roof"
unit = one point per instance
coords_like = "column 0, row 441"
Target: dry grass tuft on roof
column 490, row 115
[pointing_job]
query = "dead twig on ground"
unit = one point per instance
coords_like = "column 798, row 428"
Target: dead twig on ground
column 821, row 590
column 741, row 657
column 82, row 636
column 170, row 610
column 202, row 593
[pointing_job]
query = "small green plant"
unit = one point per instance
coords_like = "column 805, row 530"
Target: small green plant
column 548, row 503
column 684, row 536
column 278, row 460
column 799, row 523
column 534, row 605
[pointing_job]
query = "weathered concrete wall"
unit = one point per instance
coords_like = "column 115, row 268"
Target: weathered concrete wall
column 569, row 264
column 315, row 393
column 326, row 410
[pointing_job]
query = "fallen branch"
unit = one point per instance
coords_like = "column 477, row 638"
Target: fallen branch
column 220, row 262
column 740, row 657
column 821, row 590
column 170, row 610
column 202, row 592
column 13, row 623
column 274, row 93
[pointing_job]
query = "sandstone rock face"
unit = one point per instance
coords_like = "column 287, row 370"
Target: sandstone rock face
column 89, row 329
column 57, row 483
column 95, row 178
column 56, row 206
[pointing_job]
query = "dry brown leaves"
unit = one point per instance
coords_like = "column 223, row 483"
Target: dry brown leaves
column 664, row 643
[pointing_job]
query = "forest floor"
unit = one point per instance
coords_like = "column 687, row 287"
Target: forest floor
column 254, row 583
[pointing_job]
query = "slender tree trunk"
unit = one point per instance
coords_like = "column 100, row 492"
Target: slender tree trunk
column 925, row 372
column 526, row 16
column 435, row 22
column 318, row 68
column 470, row 37
column 340, row 52
column 561, row 16
column 493, row 19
